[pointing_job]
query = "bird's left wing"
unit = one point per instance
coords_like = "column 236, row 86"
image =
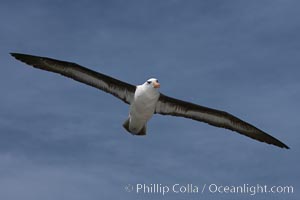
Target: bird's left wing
column 119, row 89
column 171, row 106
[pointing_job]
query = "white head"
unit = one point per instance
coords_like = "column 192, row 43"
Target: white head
column 152, row 83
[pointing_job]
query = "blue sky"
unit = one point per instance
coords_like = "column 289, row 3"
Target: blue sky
column 64, row 140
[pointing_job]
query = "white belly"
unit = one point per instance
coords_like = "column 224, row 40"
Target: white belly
column 141, row 109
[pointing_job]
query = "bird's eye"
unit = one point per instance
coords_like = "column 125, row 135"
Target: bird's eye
column 156, row 81
column 149, row 82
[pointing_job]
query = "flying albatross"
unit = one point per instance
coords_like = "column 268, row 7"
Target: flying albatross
column 146, row 100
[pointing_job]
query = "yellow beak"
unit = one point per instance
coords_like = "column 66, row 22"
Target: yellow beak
column 156, row 85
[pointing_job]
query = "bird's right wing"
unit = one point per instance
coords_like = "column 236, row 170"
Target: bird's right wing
column 171, row 106
column 119, row 89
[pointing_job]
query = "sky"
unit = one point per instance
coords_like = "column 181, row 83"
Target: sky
column 60, row 139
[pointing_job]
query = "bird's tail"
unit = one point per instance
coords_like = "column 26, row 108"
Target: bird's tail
column 142, row 131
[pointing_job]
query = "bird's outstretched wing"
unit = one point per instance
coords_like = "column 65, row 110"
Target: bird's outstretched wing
column 119, row 89
column 171, row 106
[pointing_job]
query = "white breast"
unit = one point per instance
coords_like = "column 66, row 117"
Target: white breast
column 143, row 106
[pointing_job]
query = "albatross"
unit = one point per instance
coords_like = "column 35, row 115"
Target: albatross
column 145, row 100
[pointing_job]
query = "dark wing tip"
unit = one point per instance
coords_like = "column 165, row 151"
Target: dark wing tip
column 23, row 57
column 18, row 55
column 284, row 146
column 38, row 62
column 15, row 55
column 264, row 137
column 280, row 144
column 271, row 140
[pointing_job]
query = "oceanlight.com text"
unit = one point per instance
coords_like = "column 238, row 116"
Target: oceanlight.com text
column 247, row 189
